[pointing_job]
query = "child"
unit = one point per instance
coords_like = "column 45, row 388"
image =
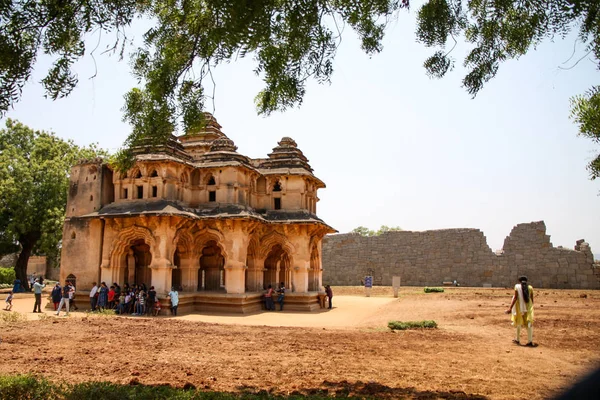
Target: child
column 157, row 307
column 9, row 301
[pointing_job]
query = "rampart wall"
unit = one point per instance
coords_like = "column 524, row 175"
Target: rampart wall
column 430, row 258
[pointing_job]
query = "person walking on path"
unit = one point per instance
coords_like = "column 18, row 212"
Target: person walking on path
column 72, row 297
column 56, row 295
column 94, row 296
column 329, row 293
column 37, row 291
column 66, row 295
column 281, row 297
column 174, row 296
column 521, row 308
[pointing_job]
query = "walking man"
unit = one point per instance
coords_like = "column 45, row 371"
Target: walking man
column 37, row 291
column 65, row 298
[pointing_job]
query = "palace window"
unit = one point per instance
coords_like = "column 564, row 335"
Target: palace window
column 277, row 203
column 140, row 192
column 212, row 196
column 124, row 194
column 154, row 191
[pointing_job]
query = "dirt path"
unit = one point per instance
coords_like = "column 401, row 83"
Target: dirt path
column 347, row 349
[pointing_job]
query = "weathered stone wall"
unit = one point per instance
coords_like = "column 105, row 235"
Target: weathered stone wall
column 431, row 257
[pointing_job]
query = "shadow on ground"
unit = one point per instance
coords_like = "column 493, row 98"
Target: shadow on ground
column 362, row 390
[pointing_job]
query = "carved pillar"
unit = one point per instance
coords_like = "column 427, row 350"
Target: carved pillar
column 189, row 273
column 235, row 269
column 301, row 262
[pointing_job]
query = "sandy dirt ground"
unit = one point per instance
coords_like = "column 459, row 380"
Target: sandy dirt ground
column 346, row 350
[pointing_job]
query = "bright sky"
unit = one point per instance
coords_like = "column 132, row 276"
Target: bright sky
column 393, row 146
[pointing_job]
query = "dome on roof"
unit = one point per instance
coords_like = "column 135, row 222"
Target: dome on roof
column 287, row 142
column 223, row 144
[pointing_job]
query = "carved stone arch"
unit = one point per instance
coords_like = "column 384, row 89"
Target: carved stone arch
column 184, row 242
column 204, row 236
column 184, row 177
column 124, row 239
column 136, row 172
column 210, row 179
column 314, row 241
column 271, row 239
column 152, row 171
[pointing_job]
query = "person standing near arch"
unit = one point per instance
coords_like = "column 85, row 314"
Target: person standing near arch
column 281, row 297
column 37, row 291
column 521, row 308
column 329, row 293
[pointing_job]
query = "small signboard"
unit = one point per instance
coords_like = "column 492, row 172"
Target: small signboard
column 368, row 281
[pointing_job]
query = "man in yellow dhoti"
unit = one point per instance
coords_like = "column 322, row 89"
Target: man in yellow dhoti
column 521, row 308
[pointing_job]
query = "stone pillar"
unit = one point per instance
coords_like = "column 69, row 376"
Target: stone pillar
column 235, row 268
column 130, row 260
column 234, row 277
column 161, row 280
column 189, row 273
column 300, row 276
column 256, row 275
column 301, row 262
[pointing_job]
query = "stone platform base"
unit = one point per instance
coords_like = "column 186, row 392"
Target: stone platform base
column 214, row 302
column 245, row 303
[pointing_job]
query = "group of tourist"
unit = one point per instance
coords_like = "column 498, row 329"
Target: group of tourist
column 280, row 292
column 134, row 300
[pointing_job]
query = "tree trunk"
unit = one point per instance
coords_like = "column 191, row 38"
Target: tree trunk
column 27, row 242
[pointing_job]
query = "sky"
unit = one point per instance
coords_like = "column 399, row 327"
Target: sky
column 393, row 146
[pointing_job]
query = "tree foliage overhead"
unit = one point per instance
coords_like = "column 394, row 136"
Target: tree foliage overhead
column 290, row 41
column 499, row 30
column 34, row 180
column 57, row 28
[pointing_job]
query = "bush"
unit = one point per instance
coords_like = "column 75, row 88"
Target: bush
column 433, row 290
column 34, row 388
column 401, row 326
column 12, row 316
column 7, row 275
column 28, row 387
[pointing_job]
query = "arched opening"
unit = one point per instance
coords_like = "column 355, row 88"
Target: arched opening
column 137, row 262
column 277, row 187
column 71, row 278
column 176, row 272
column 277, row 267
column 153, row 174
column 137, row 174
column 211, row 181
column 211, row 275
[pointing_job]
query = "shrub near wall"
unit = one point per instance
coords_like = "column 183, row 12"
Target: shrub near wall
column 7, row 275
